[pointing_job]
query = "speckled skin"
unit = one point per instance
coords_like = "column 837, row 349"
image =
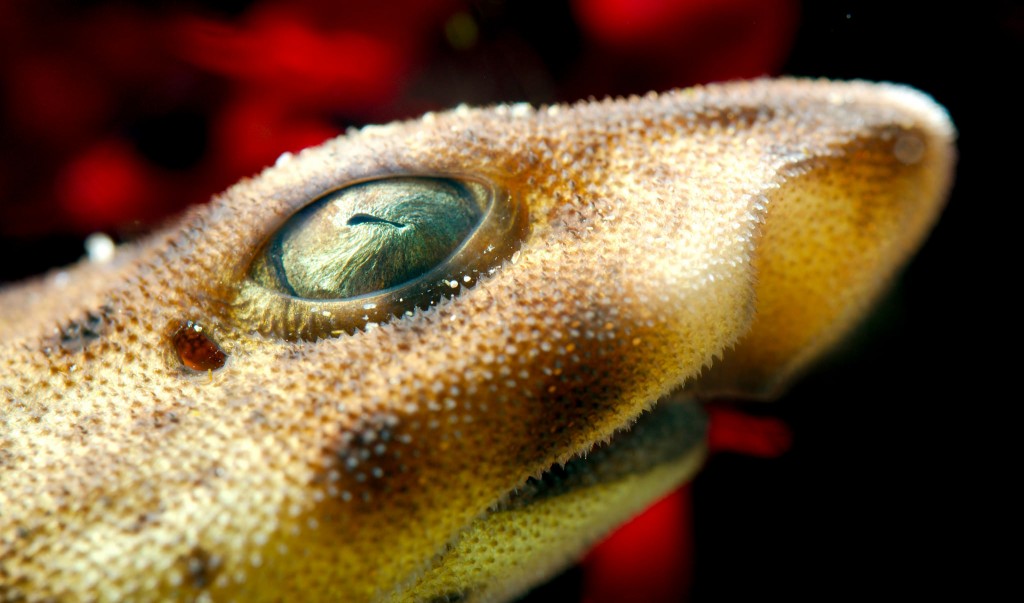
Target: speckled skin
column 747, row 225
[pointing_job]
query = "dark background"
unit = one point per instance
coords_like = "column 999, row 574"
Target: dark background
column 896, row 483
column 112, row 120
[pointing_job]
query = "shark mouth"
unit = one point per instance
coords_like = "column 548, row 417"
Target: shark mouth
column 675, row 427
column 548, row 521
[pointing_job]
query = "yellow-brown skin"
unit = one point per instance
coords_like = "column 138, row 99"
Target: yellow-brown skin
column 745, row 226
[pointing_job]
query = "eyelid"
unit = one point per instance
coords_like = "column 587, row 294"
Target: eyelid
column 494, row 240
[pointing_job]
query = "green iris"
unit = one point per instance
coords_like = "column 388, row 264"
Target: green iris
column 368, row 237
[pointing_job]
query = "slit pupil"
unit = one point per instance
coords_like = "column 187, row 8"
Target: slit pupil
column 358, row 219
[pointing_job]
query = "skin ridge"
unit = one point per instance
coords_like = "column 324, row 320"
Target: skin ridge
column 666, row 234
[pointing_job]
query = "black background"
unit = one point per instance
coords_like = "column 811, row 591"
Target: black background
column 895, row 484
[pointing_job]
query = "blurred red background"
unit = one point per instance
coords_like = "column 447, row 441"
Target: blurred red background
column 122, row 113
column 116, row 115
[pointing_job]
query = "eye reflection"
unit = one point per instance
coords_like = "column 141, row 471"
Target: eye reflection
column 368, row 238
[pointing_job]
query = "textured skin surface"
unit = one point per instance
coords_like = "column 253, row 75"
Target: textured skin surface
column 750, row 222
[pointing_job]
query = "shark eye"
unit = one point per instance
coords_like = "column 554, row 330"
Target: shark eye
column 368, row 237
column 377, row 249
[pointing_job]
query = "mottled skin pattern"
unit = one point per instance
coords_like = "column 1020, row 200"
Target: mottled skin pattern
column 745, row 227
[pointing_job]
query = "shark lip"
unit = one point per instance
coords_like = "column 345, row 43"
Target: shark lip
column 550, row 519
column 672, row 428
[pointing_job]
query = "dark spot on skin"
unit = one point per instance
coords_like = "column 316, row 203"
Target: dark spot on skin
column 77, row 334
column 9, row 593
column 141, row 521
column 196, row 349
column 257, row 418
column 160, row 419
column 200, row 567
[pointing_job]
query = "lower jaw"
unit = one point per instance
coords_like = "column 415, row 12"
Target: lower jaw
column 548, row 524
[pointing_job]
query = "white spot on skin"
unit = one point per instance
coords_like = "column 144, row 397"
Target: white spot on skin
column 283, row 159
column 99, row 248
column 521, row 110
column 379, row 130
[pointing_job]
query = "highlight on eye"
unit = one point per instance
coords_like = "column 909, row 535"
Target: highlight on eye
column 377, row 249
